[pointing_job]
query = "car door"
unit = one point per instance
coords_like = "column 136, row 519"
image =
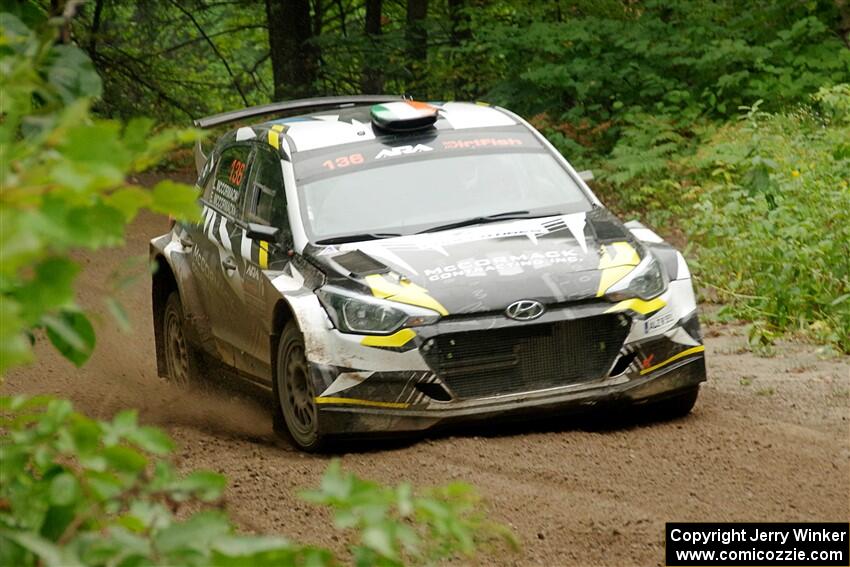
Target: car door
column 265, row 203
column 191, row 271
column 223, row 202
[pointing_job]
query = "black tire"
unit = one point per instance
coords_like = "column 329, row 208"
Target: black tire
column 181, row 361
column 674, row 407
column 296, row 410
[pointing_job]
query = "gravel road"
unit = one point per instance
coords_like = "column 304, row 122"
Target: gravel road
column 768, row 440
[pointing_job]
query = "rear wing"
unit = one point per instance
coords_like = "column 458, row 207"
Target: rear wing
column 319, row 103
column 293, row 105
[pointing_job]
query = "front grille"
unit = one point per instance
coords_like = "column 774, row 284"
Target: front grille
column 478, row 364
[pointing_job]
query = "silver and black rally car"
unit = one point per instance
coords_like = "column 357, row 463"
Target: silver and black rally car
column 386, row 265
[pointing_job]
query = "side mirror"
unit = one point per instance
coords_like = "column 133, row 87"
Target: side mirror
column 586, row 175
column 257, row 231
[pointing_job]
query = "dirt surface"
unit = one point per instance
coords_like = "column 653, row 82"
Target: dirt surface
column 768, row 440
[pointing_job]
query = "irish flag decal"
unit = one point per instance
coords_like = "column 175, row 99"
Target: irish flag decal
column 404, row 115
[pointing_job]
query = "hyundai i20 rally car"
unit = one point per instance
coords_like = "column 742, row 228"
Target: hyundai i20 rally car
column 386, row 265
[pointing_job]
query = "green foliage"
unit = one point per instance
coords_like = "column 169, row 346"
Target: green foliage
column 765, row 204
column 634, row 88
column 76, row 491
column 64, row 187
column 575, row 60
column 398, row 527
column 772, row 228
column 671, row 58
column 834, row 102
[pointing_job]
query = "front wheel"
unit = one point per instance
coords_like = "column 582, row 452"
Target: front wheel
column 294, row 391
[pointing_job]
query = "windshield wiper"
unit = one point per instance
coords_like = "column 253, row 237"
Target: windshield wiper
column 357, row 237
column 485, row 219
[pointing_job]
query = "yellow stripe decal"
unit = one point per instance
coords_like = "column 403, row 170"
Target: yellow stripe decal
column 638, row 305
column 397, row 339
column 404, row 292
column 624, row 255
column 356, row 402
column 610, row 276
column 274, row 135
column 263, row 255
column 675, row 357
column 616, row 261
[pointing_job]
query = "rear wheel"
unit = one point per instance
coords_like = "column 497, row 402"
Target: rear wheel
column 180, row 359
column 294, row 391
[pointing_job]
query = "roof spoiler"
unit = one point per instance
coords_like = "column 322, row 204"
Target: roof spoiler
column 292, row 105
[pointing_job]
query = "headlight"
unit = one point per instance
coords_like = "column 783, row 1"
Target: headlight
column 646, row 281
column 355, row 313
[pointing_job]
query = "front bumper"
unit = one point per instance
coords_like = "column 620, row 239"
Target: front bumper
column 345, row 419
column 646, row 368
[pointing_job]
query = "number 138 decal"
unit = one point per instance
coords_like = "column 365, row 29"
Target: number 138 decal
column 343, row 161
column 237, row 171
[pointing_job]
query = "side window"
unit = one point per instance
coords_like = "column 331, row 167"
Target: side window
column 268, row 199
column 225, row 189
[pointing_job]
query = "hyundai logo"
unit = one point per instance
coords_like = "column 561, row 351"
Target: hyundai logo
column 525, row 310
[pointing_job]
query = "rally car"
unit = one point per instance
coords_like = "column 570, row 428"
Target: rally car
column 386, row 265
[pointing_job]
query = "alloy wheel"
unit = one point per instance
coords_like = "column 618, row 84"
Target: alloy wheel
column 297, row 396
column 176, row 349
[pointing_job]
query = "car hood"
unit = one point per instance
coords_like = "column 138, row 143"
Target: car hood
column 487, row 267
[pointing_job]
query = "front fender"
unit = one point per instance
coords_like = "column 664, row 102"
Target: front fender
column 169, row 253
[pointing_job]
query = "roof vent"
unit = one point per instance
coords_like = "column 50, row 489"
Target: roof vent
column 404, row 116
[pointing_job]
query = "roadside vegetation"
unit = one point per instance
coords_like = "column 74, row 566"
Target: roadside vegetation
column 763, row 202
column 722, row 126
column 77, row 491
column 727, row 130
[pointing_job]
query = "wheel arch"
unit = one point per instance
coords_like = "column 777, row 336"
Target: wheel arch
column 163, row 282
column 281, row 315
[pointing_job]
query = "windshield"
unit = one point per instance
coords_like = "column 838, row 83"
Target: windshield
column 405, row 197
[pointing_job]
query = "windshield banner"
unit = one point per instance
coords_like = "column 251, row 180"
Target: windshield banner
column 336, row 160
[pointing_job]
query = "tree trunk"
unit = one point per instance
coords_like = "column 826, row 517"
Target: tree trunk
column 416, row 36
column 844, row 20
column 60, row 8
column 372, row 81
column 294, row 58
column 460, row 26
column 95, row 27
column 460, row 32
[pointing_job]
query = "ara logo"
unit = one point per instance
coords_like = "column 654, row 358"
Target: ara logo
column 403, row 150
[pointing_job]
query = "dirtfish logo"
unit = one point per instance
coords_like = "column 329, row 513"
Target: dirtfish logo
column 403, row 150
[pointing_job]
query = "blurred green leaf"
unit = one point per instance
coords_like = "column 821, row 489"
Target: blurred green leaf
column 51, row 288
column 72, row 74
column 129, row 200
column 205, row 485
column 72, row 334
column 154, row 441
column 64, row 489
column 379, row 540
column 198, row 532
column 46, row 551
column 119, row 314
column 124, row 459
column 177, row 199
